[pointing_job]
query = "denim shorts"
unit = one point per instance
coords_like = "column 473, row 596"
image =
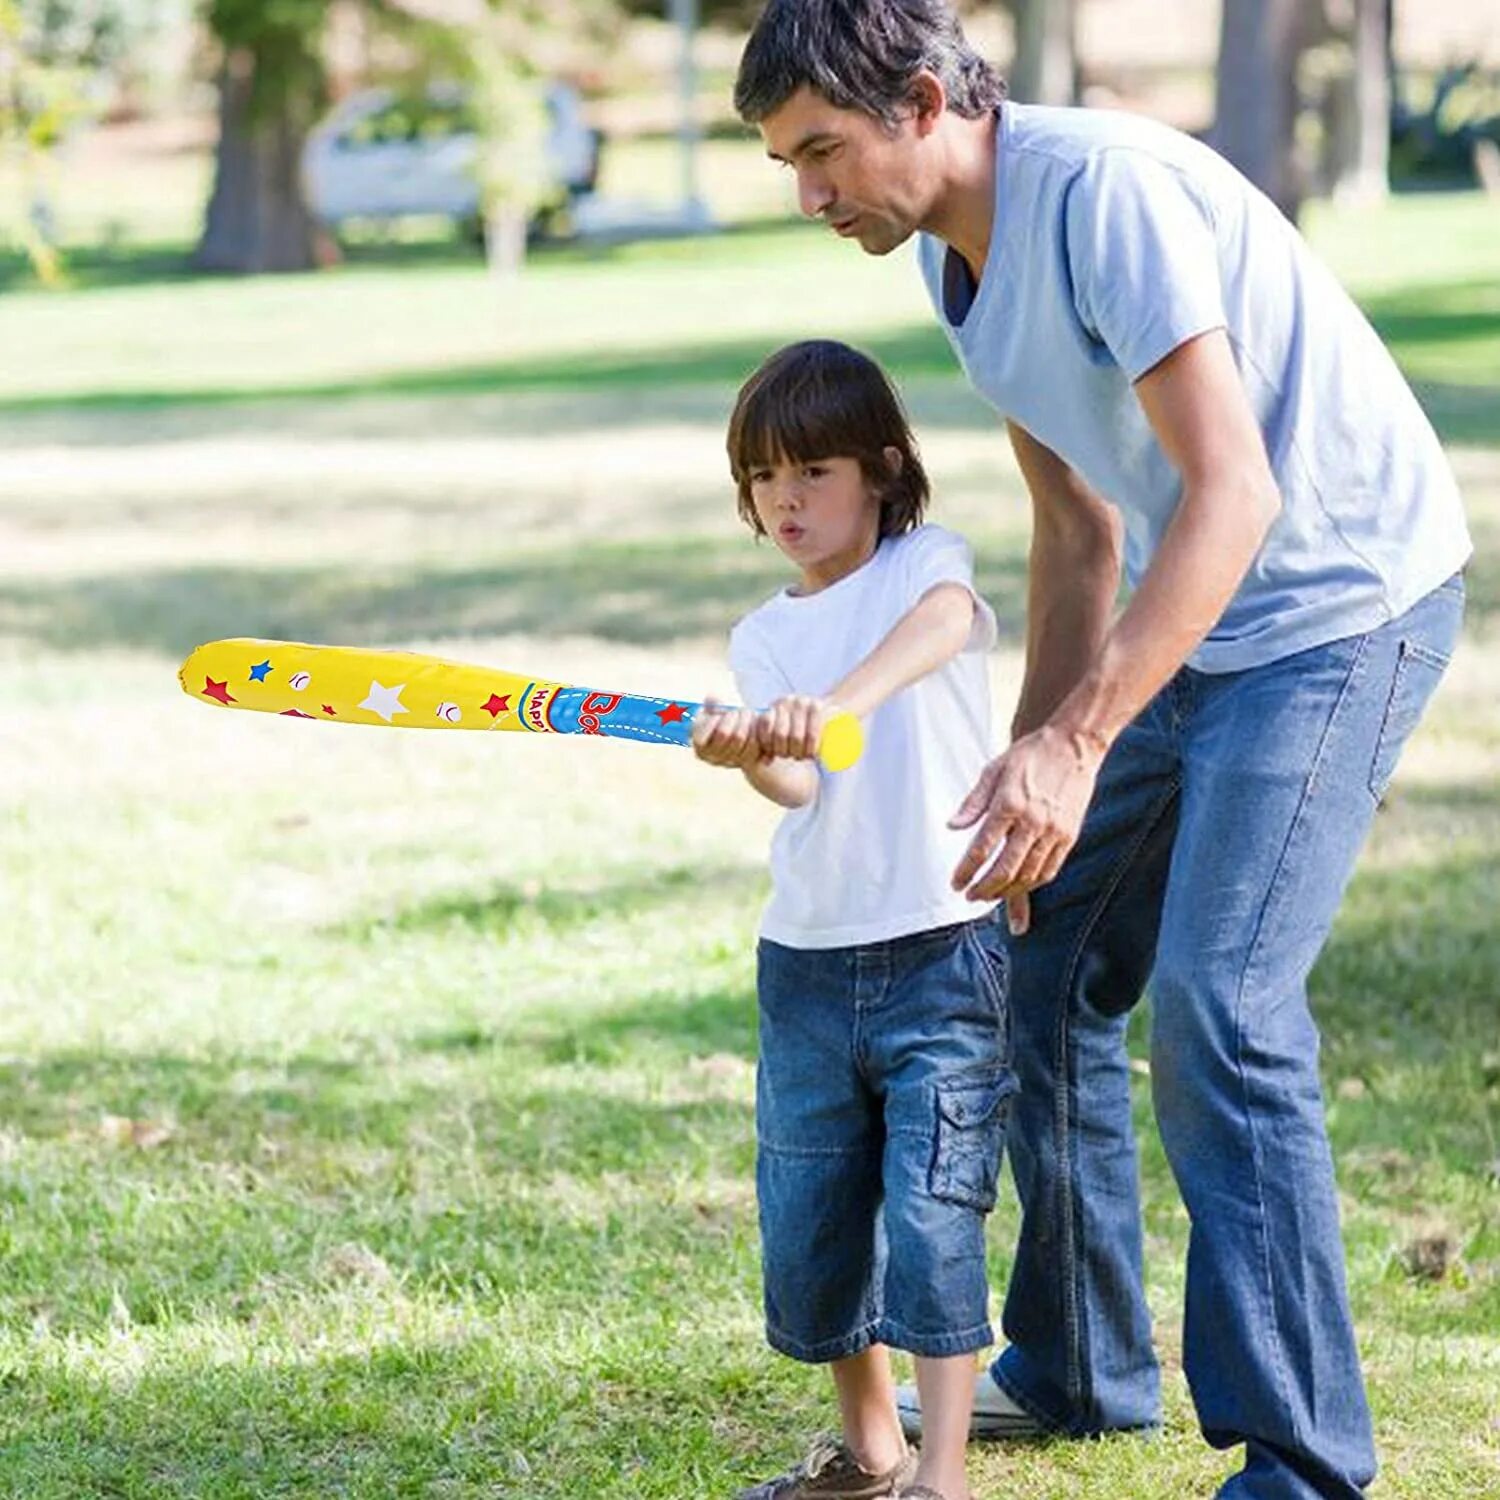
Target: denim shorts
column 881, row 1099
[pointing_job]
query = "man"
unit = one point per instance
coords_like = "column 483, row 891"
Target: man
column 1192, row 399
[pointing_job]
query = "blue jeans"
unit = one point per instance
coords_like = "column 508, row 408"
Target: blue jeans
column 1215, row 853
column 881, row 1097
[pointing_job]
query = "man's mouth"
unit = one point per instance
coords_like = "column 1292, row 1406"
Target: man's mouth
column 844, row 226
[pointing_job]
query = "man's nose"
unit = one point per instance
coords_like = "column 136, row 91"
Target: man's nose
column 814, row 194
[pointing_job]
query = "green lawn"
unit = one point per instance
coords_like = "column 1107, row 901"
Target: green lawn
column 376, row 1109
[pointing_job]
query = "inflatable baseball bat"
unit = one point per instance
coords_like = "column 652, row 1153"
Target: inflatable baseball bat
column 408, row 690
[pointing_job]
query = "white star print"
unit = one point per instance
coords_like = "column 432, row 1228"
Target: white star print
column 385, row 701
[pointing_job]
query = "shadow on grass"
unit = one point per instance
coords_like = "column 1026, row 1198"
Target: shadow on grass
column 530, row 1166
column 1410, row 979
column 657, row 1405
column 505, row 911
column 645, row 593
column 915, row 351
column 104, row 267
column 507, row 1087
column 1468, row 415
column 1436, row 312
column 1415, row 957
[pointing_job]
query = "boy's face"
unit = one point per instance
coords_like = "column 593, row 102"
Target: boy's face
column 821, row 513
column 865, row 181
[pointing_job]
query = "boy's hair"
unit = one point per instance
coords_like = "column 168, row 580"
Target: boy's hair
column 821, row 399
column 861, row 54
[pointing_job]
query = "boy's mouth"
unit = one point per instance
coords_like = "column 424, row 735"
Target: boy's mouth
column 789, row 531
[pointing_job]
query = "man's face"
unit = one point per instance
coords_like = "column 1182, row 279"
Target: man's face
column 861, row 178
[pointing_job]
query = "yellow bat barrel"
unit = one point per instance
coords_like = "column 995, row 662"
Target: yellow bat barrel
column 409, row 690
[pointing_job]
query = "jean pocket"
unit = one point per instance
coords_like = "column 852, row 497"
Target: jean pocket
column 993, row 960
column 969, row 1136
column 1418, row 670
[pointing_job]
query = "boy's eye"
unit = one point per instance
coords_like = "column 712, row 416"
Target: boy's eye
column 760, row 476
column 815, row 471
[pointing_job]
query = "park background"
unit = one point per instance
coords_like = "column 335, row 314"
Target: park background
column 376, row 1110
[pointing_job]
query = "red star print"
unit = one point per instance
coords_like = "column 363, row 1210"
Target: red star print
column 328, row 709
column 219, row 690
column 294, row 713
column 497, row 705
column 673, row 713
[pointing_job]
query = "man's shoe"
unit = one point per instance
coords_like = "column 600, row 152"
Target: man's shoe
column 830, row 1472
column 995, row 1417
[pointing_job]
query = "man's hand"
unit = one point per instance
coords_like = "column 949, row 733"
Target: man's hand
column 1029, row 804
column 792, row 727
column 726, row 736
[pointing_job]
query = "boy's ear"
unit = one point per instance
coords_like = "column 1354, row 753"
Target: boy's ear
column 893, row 459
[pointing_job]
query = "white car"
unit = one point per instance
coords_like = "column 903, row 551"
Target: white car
column 384, row 155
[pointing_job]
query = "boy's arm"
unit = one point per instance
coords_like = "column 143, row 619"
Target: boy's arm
column 933, row 631
column 787, row 783
column 727, row 737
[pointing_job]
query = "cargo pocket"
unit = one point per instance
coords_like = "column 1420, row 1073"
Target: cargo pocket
column 970, row 1134
column 1418, row 671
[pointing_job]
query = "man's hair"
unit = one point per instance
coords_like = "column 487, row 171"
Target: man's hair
column 861, row 54
column 821, row 399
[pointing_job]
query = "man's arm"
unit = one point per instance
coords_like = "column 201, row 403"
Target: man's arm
column 1073, row 579
column 930, row 633
column 1032, row 798
column 1201, row 416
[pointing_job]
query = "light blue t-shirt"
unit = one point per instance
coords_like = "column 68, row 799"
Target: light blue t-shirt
column 1117, row 239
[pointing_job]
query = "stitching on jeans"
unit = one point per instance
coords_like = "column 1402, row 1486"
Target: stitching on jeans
column 1252, row 952
column 769, row 1148
column 1071, row 1301
column 853, row 1342
column 1428, row 655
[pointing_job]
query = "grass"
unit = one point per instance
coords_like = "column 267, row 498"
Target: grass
column 376, row 1110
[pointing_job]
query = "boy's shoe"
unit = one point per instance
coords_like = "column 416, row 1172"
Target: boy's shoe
column 830, row 1472
column 995, row 1416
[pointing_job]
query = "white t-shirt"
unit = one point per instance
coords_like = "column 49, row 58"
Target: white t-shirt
column 871, row 856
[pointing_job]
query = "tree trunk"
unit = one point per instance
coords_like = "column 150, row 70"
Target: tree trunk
column 1256, row 125
column 1044, row 69
column 1370, row 177
column 505, row 240
column 257, row 219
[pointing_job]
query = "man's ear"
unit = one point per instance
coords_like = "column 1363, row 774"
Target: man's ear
column 928, row 100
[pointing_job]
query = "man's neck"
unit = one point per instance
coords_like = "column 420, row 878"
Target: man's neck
column 964, row 214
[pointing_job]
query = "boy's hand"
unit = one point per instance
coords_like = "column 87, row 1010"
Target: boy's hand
column 792, row 727
column 726, row 736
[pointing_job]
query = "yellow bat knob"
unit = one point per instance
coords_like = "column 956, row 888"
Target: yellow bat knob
column 843, row 742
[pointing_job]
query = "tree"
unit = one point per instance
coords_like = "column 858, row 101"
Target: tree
column 272, row 88
column 52, row 55
column 1044, row 69
column 1357, row 113
column 1260, row 44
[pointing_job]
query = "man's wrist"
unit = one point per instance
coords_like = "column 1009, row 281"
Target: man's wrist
column 1091, row 717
